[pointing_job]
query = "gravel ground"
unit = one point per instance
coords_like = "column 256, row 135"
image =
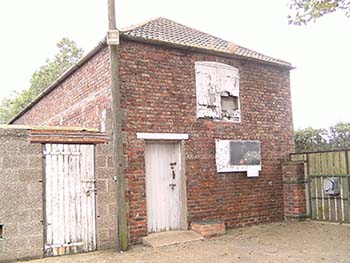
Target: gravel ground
column 276, row 242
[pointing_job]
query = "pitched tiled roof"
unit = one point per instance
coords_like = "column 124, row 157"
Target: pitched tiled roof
column 168, row 31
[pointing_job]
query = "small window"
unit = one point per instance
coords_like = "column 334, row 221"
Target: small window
column 229, row 103
column 1, row 231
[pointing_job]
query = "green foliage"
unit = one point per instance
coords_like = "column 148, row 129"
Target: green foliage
column 304, row 11
column 339, row 135
column 68, row 54
column 333, row 138
column 6, row 106
column 310, row 139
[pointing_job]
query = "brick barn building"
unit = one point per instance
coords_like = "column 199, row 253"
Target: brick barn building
column 206, row 126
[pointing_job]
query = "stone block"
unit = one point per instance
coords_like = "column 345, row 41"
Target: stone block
column 104, row 149
column 101, row 185
column 30, row 175
column 102, row 236
column 29, row 229
column 35, row 161
column 36, row 214
column 101, row 161
column 13, row 162
column 9, row 176
column 104, row 172
column 112, row 187
column 30, row 149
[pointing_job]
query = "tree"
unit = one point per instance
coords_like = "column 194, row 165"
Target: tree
column 305, row 11
column 6, row 106
column 339, row 136
column 68, row 54
column 336, row 137
column 310, row 139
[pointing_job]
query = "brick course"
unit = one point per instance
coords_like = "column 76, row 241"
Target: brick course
column 208, row 229
column 294, row 191
column 80, row 100
column 158, row 95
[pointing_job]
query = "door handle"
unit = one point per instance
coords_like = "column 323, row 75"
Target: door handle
column 173, row 174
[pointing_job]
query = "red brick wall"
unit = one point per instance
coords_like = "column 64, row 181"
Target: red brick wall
column 158, row 90
column 79, row 100
column 158, row 93
column 294, row 191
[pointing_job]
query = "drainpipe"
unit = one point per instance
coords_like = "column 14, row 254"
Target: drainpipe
column 118, row 153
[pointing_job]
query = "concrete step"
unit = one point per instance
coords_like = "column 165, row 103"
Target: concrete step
column 168, row 238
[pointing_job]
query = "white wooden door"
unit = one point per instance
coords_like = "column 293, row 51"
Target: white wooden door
column 69, row 199
column 163, row 186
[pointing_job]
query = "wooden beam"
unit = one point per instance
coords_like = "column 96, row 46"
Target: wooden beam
column 118, row 152
column 65, row 136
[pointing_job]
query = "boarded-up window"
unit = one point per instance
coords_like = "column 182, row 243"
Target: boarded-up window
column 217, row 88
column 238, row 156
column 244, row 153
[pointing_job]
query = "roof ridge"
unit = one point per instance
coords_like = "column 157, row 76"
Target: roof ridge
column 137, row 25
column 232, row 45
column 132, row 27
column 210, row 34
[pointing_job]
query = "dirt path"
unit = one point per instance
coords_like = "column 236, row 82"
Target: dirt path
column 277, row 242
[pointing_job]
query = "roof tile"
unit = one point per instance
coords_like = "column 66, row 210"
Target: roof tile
column 168, row 31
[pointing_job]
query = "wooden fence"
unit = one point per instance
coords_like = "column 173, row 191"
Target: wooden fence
column 321, row 166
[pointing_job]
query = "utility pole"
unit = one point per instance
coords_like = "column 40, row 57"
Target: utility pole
column 118, row 152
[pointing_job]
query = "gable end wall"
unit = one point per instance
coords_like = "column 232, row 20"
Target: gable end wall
column 79, row 100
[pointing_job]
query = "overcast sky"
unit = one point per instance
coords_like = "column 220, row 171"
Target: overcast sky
column 320, row 51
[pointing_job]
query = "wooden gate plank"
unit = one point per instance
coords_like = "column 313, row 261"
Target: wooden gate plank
column 70, row 212
column 48, row 200
column 322, row 165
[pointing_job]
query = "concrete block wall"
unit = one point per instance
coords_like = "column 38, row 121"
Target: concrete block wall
column 106, row 198
column 21, row 206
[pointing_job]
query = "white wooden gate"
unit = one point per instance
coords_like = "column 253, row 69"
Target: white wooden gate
column 69, row 199
column 163, row 186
